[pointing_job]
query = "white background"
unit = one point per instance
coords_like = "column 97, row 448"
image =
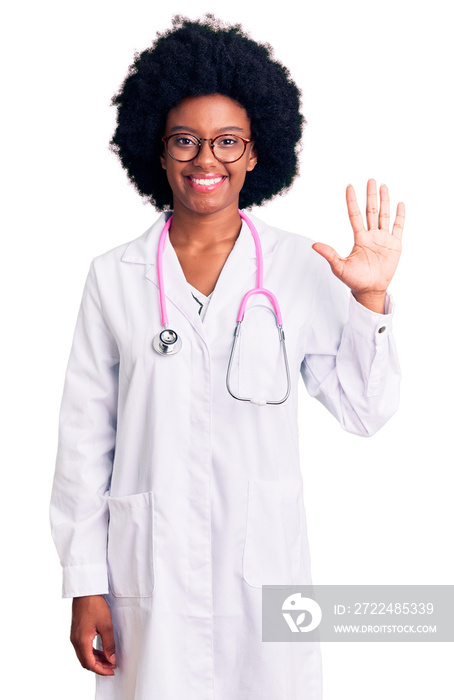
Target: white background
column 377, row 96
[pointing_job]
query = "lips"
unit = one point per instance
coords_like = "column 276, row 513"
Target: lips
column 206, row 183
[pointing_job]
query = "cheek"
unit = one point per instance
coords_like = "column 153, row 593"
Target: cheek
column 170, row 170
column 166, row 161
column 239, row 176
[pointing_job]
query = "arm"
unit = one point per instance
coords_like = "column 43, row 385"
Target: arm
column 78, row 509
column 86, row 445
column 350, row 361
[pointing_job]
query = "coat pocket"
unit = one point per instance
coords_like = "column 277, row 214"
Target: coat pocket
column 130, row 545
column 272, row 549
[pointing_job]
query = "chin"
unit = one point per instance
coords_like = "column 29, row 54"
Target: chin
column 208, row 205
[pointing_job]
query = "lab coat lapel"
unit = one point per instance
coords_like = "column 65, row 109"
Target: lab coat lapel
column 144, row 250
column 176, row 289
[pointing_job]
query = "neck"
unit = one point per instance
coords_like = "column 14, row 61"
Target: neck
column 199, row 232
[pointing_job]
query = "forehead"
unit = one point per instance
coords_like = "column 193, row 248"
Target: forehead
column 208, row 113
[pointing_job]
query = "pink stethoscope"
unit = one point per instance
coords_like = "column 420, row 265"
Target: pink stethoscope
column 168, row 342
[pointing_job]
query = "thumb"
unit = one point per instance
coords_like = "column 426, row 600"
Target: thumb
column 108, row 641
column 331, row 256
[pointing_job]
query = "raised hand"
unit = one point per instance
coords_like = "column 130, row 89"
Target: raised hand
column 372, row 262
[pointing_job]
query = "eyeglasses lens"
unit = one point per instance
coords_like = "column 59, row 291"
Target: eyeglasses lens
column 226, row 148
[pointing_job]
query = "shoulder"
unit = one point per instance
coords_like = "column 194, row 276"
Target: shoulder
column 305, row 270
column 140, row 250
column 288, row 244
column 110, row 257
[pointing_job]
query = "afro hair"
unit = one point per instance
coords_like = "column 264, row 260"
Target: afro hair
column 205, row 57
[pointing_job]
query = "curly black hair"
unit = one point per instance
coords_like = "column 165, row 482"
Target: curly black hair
column 205, row 57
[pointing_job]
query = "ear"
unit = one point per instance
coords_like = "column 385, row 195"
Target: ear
column 163, row 161
column 252, row 159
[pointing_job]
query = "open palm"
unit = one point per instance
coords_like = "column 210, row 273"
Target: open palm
column 373, row 260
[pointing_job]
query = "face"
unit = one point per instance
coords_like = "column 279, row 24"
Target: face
column 204, row 185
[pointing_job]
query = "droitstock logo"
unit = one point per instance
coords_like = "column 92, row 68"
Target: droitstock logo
column 357, row 613
column 300, row 613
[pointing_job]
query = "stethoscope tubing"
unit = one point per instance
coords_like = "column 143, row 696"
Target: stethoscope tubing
column 258, row 289
column 162, row 296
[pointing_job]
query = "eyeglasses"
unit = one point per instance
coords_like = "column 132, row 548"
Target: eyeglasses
column 227, row 148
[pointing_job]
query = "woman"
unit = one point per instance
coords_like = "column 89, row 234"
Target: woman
column 173, row 501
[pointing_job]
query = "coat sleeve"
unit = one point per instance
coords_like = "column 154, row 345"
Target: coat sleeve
column 86, row 446
column 350, row 363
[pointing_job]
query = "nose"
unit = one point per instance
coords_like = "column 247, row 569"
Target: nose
column 205, row 155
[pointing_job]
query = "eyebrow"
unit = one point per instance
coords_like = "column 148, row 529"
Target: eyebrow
column 224, row 130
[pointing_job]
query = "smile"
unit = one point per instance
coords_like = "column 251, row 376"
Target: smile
column 213, row 181
column 205, row 184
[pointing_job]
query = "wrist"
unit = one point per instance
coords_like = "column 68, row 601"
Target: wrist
column 374, row 301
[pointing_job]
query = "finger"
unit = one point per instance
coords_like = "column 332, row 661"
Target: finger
column 90, row 659
column 101, row 657
column 371, row 206
column 399, row 221
column 334, row 259
column 354, row 214
column 383, row 219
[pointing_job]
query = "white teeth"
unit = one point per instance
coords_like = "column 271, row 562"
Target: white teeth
column 213, row 181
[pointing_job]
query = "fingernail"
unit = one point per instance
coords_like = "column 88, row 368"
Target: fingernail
column 112, row 658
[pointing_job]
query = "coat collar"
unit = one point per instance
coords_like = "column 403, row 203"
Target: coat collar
column 236, row 277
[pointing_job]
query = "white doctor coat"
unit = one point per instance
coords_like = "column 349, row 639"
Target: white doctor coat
column 175, row 500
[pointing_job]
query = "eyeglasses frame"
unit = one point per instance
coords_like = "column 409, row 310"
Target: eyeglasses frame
column 165, row 139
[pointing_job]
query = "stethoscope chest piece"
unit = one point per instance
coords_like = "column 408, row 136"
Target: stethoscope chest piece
column 167, row 342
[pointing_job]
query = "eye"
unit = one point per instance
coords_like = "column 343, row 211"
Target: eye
column 184, row 141
column 227, row 141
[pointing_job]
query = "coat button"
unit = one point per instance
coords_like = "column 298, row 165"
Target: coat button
column 383, row 328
